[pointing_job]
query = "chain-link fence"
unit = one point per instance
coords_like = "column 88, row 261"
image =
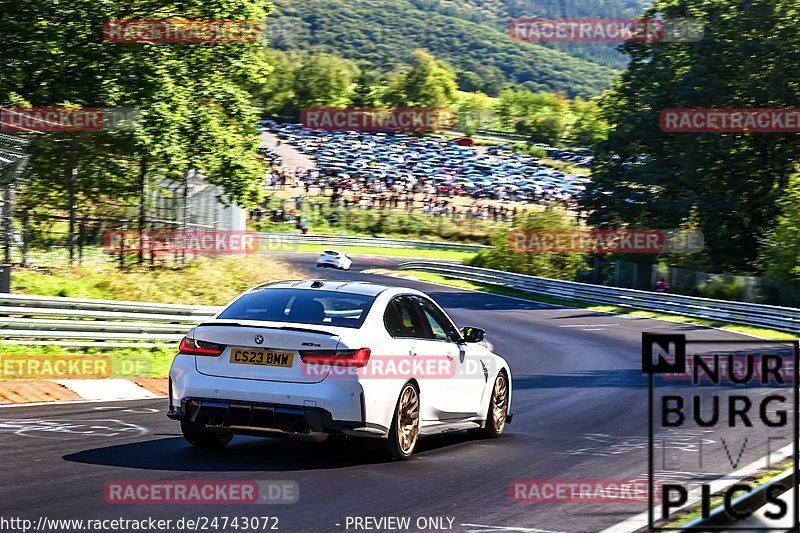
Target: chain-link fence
column 138, row 233
column 14, row 156
column 649, row 277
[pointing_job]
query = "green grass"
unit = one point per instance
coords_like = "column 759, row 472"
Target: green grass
column 508, row 291
column 124, row 362
column 385, row 223
column 210, row 281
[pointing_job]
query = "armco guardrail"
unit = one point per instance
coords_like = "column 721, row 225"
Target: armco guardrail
column 27, row 319
column 277, row 239
column 30, row 300
column 780, row 318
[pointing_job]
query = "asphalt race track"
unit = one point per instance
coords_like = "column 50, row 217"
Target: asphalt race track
column 580, row 404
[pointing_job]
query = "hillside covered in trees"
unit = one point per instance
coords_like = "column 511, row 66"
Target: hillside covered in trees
column 470, row 36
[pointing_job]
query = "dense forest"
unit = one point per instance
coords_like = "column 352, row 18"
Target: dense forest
column 385, row 34
column 500, row 11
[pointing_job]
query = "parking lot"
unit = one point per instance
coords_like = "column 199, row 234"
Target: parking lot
column 398, row 164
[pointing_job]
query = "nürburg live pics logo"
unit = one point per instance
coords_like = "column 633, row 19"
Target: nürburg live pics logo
column 736, row 401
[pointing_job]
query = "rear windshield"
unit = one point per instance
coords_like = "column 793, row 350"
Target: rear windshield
column 301, row 306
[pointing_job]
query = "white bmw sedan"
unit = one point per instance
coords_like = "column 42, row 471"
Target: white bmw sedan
column 307, row 359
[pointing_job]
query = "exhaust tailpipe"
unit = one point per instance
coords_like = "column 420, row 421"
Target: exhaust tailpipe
column 284, row 425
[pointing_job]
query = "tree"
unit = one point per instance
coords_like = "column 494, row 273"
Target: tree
column 483, row 79
column 550, row 265
column 323, row 80
column 425, row 83
column 539, row 116
column 646, row 177
column 588, row 127
column 368, row 91
column 780, row 254
column 194, row 102
column 475, row 113
column 276, row 95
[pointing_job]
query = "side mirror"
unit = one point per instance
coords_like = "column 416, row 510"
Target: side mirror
column 471, row 334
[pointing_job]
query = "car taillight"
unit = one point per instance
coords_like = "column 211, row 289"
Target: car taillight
column 355, row 358
column 195, row 347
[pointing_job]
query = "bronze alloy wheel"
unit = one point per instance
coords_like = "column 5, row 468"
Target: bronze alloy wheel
column 408, row 419
column 499, row 403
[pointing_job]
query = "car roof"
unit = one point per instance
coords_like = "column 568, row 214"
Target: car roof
column 363, row 288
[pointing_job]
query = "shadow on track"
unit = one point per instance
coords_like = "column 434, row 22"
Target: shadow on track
column 246, row 454
column 622, row 379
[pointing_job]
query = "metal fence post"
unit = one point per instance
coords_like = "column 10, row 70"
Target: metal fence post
column 25, row 238
column 8, row 222
column 81, row 237
column 5, row 278
column 122, row 247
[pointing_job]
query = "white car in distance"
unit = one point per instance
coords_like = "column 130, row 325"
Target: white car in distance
column 307, row 359
column 334, row 259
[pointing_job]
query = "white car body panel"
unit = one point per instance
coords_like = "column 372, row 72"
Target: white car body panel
column 445, row 399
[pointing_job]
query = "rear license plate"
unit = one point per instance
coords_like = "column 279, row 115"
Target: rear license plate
column 246, row 356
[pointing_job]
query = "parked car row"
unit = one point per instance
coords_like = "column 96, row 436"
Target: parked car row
column 431, row 161
column 582, row 157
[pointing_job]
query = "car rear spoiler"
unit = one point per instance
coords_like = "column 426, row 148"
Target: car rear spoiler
column 285, row 328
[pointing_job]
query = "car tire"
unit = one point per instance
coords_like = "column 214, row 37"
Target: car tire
column 498, row 409
column 199, row 436
column 401, row 441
